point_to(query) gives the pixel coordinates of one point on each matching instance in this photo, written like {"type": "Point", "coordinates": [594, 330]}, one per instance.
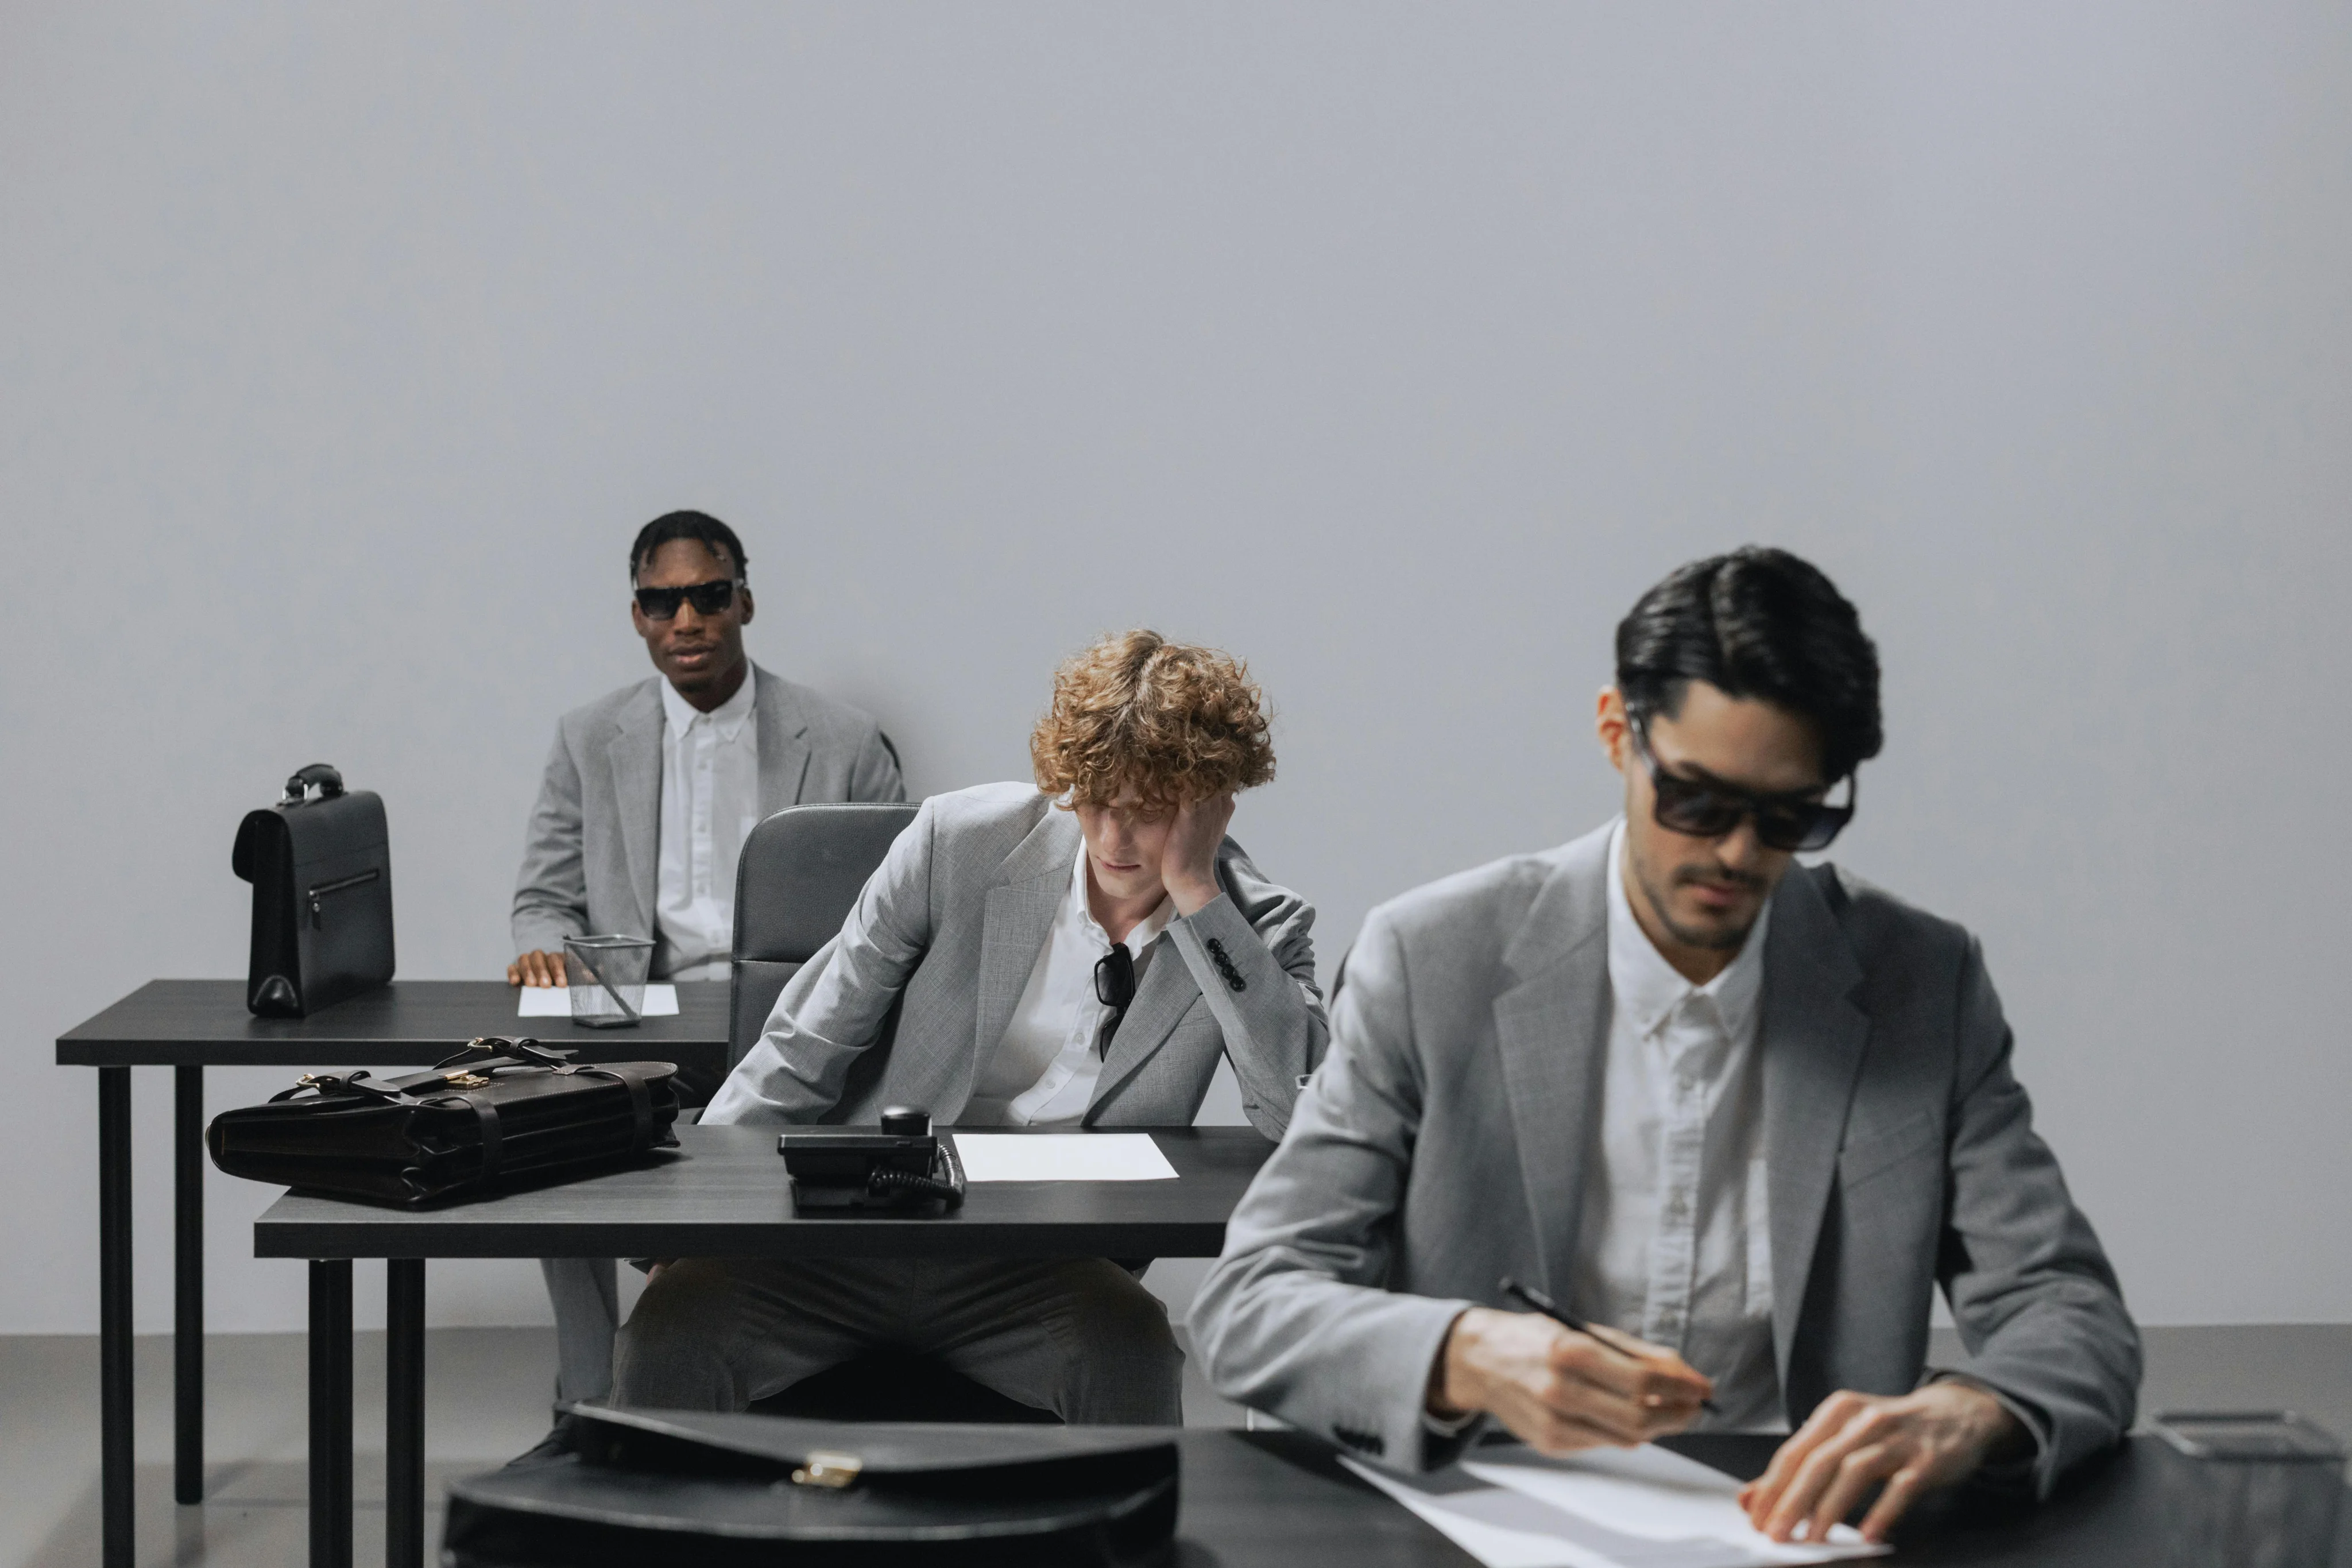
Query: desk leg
{"type": "Point", "coordinates": [330, 1412]}
{"type": "Point", "coordinates": [116, 1520]}
{"type": "Point", "coordinates": [188, 1285]}
{"type": "Point", "coordinates": [404, 1404]}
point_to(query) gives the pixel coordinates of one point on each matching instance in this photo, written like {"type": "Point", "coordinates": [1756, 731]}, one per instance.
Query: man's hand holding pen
{"type": "Point", "coordinates": [1559, 1389]}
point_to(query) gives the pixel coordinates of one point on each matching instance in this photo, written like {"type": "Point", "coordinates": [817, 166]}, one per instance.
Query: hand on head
{"type": "Point", "coordinates": [1187, 866]}
{"type": "Point", "coordinates": [1897, 1446]}
{"type": "Point", "coordinates": [1561, 1390]}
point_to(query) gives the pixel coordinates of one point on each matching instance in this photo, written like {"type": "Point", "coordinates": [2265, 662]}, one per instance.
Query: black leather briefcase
{"type": "Point", "coordinates": [673, 1489]}
{"type": "Point", "coordinates": [322, 873]}
{"type": "Point", "coordinates": [500, 1113]}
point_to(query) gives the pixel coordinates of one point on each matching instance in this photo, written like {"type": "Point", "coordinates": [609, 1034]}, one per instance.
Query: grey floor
{"type": "Point", "coordinates": [487, 1400]}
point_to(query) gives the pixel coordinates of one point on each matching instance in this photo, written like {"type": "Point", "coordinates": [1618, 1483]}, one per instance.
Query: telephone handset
{"type": "Point", "coordinates": [900, 1167]}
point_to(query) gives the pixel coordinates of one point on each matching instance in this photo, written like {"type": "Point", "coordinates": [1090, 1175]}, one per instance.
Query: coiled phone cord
{"type": "Point", "coordinates": [884, 1182]}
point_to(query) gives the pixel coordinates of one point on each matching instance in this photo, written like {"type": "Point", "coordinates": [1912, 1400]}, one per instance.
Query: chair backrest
{"type": "Point", "coordinates": [799, 876]}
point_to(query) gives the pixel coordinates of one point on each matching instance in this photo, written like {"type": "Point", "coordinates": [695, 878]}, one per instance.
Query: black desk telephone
{"type": "Point", "coordinates": [900, 1167]}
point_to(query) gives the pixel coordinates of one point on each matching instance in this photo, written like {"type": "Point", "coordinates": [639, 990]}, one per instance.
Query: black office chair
{"type": "Point", "coordinates": [799, 876]}
{"type": "Point", "coordinates": [795, 882]}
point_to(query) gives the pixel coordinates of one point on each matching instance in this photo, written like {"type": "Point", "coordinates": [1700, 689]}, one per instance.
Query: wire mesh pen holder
{"type": "Point", "coordinates": [606, 978]}
{"type": "Point", "coordinates": [2251, 1489]}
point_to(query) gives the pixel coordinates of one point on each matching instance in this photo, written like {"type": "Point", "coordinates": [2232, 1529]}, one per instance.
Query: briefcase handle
{"type": "Point", "coordinates": [324, 775]}
{"type": "Point", "coordinates": [490, 1045]}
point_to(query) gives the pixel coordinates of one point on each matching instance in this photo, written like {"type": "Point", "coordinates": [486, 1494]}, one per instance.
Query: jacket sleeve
{"type": "Point", "coordinates": [1252, 951]}
{"type": "Point", "coordinates": [1295, 1319]}
{"type": "Point", "coordinates": [838, 1004]}
{"type": "Point", "coordinates": [551, 897]}
{"type": "Point", "coordinates": [2040, 1313]}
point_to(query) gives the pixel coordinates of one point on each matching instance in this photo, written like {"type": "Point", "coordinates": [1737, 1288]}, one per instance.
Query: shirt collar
{"type": "Point", "coordinates": [1649, 987]}
{"type": "Point", "coordinates": [1146, 930]}
{"type": "Point", "coordinates": [727, 718]}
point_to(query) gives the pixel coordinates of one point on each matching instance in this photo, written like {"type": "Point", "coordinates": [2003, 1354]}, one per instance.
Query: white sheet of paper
{"type": "Point", "coordinates": [1610, 1508]}
{"type": "Point", "coordinates": [1062, 1157]}
{"type": "Point", "coordinates": [555, 1002]}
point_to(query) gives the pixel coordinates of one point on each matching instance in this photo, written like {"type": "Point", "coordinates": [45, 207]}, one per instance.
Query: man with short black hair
{"type": "Point", "coordinates": [649, 793]}
{"type": "Point", "coordinates": [1740, 1115]}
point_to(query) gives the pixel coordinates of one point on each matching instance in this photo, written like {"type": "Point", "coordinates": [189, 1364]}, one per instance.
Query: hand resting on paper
{"type": "Point", "coordinates": [1853, 1443]}
{"type": "Point", "coordinates": [536, 968]}
{"type": "Point", "coordinates": [1560, 1390]}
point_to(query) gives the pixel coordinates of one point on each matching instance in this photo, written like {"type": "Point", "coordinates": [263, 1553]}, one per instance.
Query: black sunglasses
{"type": "Point", "coordinates": [1791, 822]}
{"type": "Point", "coordinates": [1115, 988]}
{"type": "Point", "coordinates": [707, 599]}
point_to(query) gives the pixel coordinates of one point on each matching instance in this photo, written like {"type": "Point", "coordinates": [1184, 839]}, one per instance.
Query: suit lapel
{"type": "Point", "coordinates": [1813, 1041]}
{"type": "Point", "coordinates": [1030, 886]}
{"type": "Point", "coordinates": [1161, 998]}
{"type": "Point", "coordinates": [1551, 1030]}
{"type": "Point", "coordinates": [636, 790]}
{"type": "Point", "coordinates": [783, 743]}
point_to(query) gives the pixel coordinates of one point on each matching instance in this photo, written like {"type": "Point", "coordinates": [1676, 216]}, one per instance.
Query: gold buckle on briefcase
{"type": "Point", "coordinates": [833, 1472]}
{"type": "Point", "coordinates": [461, 1079]}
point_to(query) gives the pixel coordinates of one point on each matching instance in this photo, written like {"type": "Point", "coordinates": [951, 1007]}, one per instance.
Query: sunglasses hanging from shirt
{"type": "Point", "coordinates": [707, 599]}
{"type": "Point", "coordinates": [1115, 988]}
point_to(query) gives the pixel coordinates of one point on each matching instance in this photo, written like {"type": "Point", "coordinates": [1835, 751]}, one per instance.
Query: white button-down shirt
{"type": "Point", "coordinates": [709, 802]}
{"type": "Point", "coordinates": [1044, 1070]}
{"type": "Point", "coordinates": [1675, 1241]}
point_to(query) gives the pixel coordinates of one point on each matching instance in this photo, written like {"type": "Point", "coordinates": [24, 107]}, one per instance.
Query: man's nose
{"type": "Point", "coordinates": [1740, 848]}
{"type": "Point", "coordinates": [688, 617]}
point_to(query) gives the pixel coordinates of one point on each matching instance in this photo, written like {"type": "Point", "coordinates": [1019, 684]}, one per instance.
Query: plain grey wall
{"type": "Point", "coordinates": [1396, 349]}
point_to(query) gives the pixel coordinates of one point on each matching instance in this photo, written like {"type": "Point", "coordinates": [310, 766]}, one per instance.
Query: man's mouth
{"type": "Point", "coordinates": [1718, 894]}
{"type": "Point", "coordinates": [692, 653]}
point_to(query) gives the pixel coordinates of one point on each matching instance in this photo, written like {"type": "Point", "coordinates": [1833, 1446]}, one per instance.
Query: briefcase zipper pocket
{"type": "Point", "coordinates": [319, 893]}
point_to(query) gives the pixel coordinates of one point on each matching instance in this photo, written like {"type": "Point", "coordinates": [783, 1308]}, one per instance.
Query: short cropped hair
{"type": "Point", "coordinates": [1761, 624]}
{"type": "Point", "coordinates": [713, 535]}
{"type": "Point", "coordinates": [1171, 722]}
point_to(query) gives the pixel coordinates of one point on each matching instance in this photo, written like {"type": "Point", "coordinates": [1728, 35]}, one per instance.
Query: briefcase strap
{"type": "Point", "coordinates": [641, 1100]}
{"type": "Point", "coordinates": [487, 1115]}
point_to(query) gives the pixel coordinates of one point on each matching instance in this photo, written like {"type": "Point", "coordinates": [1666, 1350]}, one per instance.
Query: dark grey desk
{"type": "Point", "coordinates": [189, 1025]}
{"type": "Point", "coordinates": [722, 1193]}
{"type": "Point", "coordinates": [1279, 1499]}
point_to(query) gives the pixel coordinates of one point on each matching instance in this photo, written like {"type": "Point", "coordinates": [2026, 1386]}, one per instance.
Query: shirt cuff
{"type": "Point", "coordinates": [1447, 1428]}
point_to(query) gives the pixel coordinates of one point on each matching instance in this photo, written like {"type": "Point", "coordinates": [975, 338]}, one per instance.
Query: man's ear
{"type": "Point", "coordinates": [745, 619]}
{"type": "Point", "coordinates": [1611, 727]}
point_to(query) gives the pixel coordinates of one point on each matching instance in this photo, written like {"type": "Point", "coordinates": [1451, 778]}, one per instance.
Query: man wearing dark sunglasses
{"type": "Point", "coordinates": [1738, 1117]}
{"type": "Point", "coordinates": [648, 794]}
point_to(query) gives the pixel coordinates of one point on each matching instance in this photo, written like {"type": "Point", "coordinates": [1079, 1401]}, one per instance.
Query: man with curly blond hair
{"type": "Point", "coordinates": [1076, 952]}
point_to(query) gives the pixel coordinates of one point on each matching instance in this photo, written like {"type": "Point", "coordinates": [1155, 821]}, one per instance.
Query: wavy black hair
{"type": "Point", "coordinates": [1757, 623]}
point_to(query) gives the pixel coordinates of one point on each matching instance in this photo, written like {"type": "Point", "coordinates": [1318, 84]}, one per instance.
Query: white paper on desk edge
{"type": "Point", "coordinates": [556, 1001]}
{"type": "Point", "coordinates": [1062, 1157]}
{"type": "Point", "coordinates": [1519, 1510]}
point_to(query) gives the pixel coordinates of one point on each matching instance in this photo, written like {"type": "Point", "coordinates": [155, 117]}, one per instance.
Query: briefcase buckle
{"type": "Point", "coordinates": [833, 1472]}
{"type": "Point", "coordinates": [464, 1081]}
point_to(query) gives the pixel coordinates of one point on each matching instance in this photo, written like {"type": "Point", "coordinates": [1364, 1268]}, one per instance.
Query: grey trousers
{"type": "Point", "coordinates": [1080, 1337]}
{"type": "Point", "coordinates": [587, 1294]}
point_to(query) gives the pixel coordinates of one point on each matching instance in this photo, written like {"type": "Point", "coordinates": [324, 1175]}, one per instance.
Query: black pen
{"type": "Point", "coordinates": [1568, 1320]}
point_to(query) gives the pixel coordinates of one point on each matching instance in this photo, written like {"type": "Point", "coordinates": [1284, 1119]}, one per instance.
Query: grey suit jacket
{"type": "Point", "coordinates": [592, 859]}
{"type": "Point", "coordinates": [1445, 1144]}
{"type": "Point", "coordinates": [910, 1000]}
